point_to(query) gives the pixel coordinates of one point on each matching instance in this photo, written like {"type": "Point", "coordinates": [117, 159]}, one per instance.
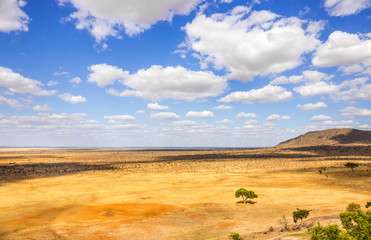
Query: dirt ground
{"type": "Point", "coordinates": [173, 193]}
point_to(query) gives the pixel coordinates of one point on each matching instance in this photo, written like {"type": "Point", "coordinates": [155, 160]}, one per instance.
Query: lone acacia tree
{"type": "Point", "coordinates": [351, 165]}
{"type": "Point", "coordinates": [245, 194]}
{"type": "Point", "coordinates": [300, 214]}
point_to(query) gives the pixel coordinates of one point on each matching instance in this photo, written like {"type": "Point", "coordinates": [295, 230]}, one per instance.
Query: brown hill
{"type": "Point", "coordinates": [329, 137]}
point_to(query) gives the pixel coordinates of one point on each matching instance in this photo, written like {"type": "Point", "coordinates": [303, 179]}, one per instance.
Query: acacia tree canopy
{"type": "Point", "coordinates": [300, 214]}
{"type": "Point", "coordinates": [351, 165]}
{"type": "Point", "coordinates": [245, 194]}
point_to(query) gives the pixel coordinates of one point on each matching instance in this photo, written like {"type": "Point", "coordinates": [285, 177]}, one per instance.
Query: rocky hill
{"type": "Point", "coordinates": [330, 137]}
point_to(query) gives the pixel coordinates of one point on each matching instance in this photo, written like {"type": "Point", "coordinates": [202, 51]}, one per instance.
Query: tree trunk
{"type": "Point", "coordinates": [302, 222]}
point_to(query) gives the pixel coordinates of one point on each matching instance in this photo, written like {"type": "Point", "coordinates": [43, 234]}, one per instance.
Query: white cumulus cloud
{"type": "Point", "coordinates": [184, 123]}
{"type": "Point", "coordinates": [75, 125]}
{"type": "Point", "coordinates": [164, 116]}
{"type": "Point", "coordinates": [140, 112]}
{"type": "Point", "coordinates": [312, 106]}
{"type": "Point", "coordinates": [52, 83]}
{"type": "Point", "coordinates": [246, 115]}
{"type": "Point", "coordinates": [351, 69]}
{"type": "Point", "coordinates": [156, 106]}
{"type": "Point", "coordinates": [203, 114]}
{"type": "Point", "coordinates": [103, 74]}
{"type": "Point", "coordinates": [109, 17]}
{"type": "Point", "coordinates": [120, 119]}
{"type": "Point", "coordinates": [318, 88]}
{"type": "Point", "coordinates": [269, 93]}
{"type": "Point", "coordinates": [12, 18]}
{"type": "Point", "coordinates": [225, 121]}
{"type": "Point", "coordinates": [307, 76]}
{"type": "Point", "coordinates": [9, 102]}
{"type": "Point", "coordinates": [340, 124]}
{"type": "Point", "coordinates": [251, 122]}
{"type": "Point", "coordinates": [275, 117]}
{"type": "Point", "coordinates": [279, 80]}
{"type": "Point", "coordinates": [353, 112]}
{"type": "Point", "coordinates": [354, 89]}
{"type": "Point", "coordinates": [346, 49]}
{"type": "Point", "coordinates": [17, 83]}
{"type": "Point", "coordinates": [364, 126]}
{"type": "Point", "coordinates": [42, 108]}
{"type": "Point", "coordinates": [320, 118]}
{"type": "Point", "coordinates": [249, 43]}
{"type": "Point", "coordinates": [75, 80]}
{"type": "Point", "coordinates": [67, 97]}
{"type": "Point", "coordinates": [223, 107]}
{"type": "Point", "coordinates": [346, 7]}
{"type": "Point", "coordinates": [157, 83]}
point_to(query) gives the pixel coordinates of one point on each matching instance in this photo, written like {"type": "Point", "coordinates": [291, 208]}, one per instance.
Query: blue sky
{"type": "Point", "coordinates": [181, 73]}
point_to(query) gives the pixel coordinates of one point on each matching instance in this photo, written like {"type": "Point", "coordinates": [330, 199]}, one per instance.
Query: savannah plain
{"type": "Point", "coordinates": [175, 193]}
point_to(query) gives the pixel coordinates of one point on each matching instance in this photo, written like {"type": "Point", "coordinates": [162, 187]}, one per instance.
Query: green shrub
{"type": "Point", "coordinates": [235, 236]}
{"type": "Point", "coordinates": [353, 207]}
{"type": "Point", "coordinates": [331, 232]}
{"type": "Point", "coordinates": [284, 223]}
{"type": "Point", "coordinates": [356, 223]}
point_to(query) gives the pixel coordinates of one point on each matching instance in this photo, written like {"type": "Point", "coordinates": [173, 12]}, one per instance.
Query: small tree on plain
{"type": "Point", "coordinates": [331, 232]}
{"type": "Point", "coordinates": [368, 204]}
{"type": "Point", "coordinates": [351, 165]}
{"type": "Point", "coordinates": [245, 194]}
{"type": "Point", "coordinates": [283, 222]}
{"type": "Point", "coordinates": [300, 214]}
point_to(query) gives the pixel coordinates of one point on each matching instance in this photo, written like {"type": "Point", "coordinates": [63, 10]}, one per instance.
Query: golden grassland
{"type": "Point", "coordinates": [173, 193]}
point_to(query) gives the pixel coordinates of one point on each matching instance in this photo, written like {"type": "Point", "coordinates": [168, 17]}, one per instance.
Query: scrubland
{"type": "Point", "coordinates": [174, 193]}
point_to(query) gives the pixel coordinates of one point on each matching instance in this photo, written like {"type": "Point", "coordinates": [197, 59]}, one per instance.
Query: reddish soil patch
{"type": "Point", "coordinates": [226, 224]}
{"type": "Point", "coordinates": [125, 211]}
{"type": "Point", "coordinates": [83, 222]}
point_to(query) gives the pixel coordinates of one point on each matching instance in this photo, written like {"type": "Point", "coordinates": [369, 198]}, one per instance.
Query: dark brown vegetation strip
{"type": "Point", "coordinates": [221, 156]}
{"type": "Point", "coordinates": [328, 150]}
{"type": "Point", "coordinates": [12, 157]}
{"type": "Point", "coordinates": [18, 172]}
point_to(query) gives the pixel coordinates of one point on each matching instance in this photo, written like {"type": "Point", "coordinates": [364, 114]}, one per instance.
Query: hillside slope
{"type": "Point", "coordinates": [329, 137]}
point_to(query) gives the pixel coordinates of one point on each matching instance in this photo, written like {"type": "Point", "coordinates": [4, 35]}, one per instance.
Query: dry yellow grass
{"type": "Point", "coordinates": [126, 194]}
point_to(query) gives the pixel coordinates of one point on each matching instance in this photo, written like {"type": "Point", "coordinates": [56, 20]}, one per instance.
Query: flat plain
{"type": "Point", "coordinates": [175, 193]}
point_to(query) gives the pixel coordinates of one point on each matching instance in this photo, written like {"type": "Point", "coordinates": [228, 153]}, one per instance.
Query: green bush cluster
{"type": "Point", "coordinates": [235, 236]}
{"type": "Point", "coordinates": [357, 225]}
